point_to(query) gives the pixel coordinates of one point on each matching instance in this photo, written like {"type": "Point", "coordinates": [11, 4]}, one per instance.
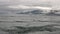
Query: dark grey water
{"type": "Point", "coordinates": [8, 21]}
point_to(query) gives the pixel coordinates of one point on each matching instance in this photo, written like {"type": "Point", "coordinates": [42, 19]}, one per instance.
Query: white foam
{"type": "Point", "coordinates": [28, 7]}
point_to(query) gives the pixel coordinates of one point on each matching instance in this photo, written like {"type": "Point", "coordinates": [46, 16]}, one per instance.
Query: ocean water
{"type": "Point", "coordinates": [8, 21]}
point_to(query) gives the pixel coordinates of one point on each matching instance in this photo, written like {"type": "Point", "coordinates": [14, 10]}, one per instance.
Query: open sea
{"type": "Point", "coordinates": [24, 20]}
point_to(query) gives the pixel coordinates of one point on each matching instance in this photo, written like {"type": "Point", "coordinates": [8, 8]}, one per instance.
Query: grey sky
{"type": "Point", "coordinates": [29, 2]}
{"type": "Point", "coordinates": [53, 3]}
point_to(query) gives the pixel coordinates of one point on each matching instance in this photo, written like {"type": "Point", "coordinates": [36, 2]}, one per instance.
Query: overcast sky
{"type": "Point", "coordinates": [28, 1]}
{"type": "Point", "coordinates": [54, 3]}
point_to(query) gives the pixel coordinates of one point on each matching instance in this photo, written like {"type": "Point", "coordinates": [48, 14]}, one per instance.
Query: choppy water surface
{"type": "Point", "coordinates": [8, 21]}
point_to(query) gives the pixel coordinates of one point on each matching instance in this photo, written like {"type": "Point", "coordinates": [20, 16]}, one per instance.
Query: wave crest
{"type": "Point", "coordinates": [28, 7]}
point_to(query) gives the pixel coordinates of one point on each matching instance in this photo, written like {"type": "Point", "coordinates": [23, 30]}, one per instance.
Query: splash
{"type": "Point", "coordinates": [28, 7]}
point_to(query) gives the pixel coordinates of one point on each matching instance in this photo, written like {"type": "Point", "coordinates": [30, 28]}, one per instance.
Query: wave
{"type": "Point", "coordinates": [28, 7]}
{"type": "Point", "coordinates": [37, 11]}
